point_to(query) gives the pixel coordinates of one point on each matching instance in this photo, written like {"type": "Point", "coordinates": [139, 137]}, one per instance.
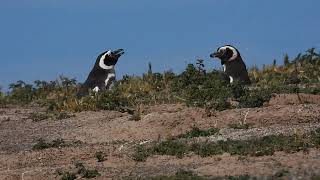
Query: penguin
{"type": "Point", "coordinates": [233, 65]}
{"type": "Point", "coordinates": [102, 75]}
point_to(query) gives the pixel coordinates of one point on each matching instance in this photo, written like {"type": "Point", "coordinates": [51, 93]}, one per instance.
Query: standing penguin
{"type": "Point", "coordinates": [102, 76]}
{"type": "Point", "coordinates": [233, 65]}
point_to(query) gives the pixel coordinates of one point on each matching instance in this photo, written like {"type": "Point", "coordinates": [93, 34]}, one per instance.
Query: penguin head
{"type": "Point", "coordinates": [108, 59]}
{"type": "Point", "coordinates": [226, 53]}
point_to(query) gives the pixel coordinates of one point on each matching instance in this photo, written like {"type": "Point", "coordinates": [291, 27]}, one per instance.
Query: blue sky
{"type": "Point", "coordinates": [42, 39]}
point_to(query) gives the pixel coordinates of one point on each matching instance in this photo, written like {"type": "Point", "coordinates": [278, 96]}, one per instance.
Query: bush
{"type": "Point", "coordinates": [202, 89]}
{"type": "Point", "coordinates": [87, 173]}
{"type": "Point", "coordinates": [196, 132]}
{"type": "Point", "coordinates": [254, 98]}
{"type": "Point", "coordinates": [264, 146]}
{"type": "Point", "coordinates": [194, 86]}
{"type": "Point", "coordinates": [100, 156]}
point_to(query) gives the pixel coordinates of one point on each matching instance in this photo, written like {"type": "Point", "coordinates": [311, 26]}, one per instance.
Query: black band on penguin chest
{"type": "Point", "coordinates": [99, 74]}
{"type": "Point", "coordinates": [234, 68]}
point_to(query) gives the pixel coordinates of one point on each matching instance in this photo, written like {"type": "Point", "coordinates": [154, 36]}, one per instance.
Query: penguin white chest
{"type": "Point", "coordinates": [96, 89]}
{"type": "Point", "coordinates": [231, 79]}
{"type": "Point", "coordinates": [110, 75]}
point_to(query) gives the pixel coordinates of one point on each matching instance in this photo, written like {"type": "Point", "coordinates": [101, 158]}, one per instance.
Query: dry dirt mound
{"type": "Point", "coordinates": [284, 99]}
{"type": "Point", "coordinates": [115, 134]}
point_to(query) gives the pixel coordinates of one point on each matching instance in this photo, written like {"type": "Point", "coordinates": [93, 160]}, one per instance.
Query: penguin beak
{"type": "Point", "coordinates": [216, 55]}
{"type": "Point", "coordinates": [117, 53]}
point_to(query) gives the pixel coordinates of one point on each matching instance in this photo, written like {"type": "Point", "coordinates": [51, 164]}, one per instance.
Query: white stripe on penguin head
{"type": "Point", "coordinates": [101, 61]}
{"type": "Point", "coordinates": [234, 52]}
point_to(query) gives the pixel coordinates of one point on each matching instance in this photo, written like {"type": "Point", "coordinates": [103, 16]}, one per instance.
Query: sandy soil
{"type": "Point", "coordinates": [116, 135]}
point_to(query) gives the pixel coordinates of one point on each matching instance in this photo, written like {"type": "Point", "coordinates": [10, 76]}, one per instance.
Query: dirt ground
{"type": "Point", "coordinates": [114, 134]}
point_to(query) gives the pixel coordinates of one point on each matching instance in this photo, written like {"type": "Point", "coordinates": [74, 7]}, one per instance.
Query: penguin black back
{"type": "Point", "coordinates": [102, 75]}
{"type": "Point", "coordinates": [234, 66]}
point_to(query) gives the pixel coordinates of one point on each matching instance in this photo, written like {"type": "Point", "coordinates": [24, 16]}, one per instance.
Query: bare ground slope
{"type": "Point", "coordinates": [116, 135]}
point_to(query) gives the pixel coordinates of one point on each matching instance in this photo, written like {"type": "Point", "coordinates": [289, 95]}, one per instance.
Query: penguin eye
{"type": "Point", "coordinates": [109, 53]}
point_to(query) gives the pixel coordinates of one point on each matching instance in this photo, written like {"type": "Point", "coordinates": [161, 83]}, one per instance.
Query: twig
{"type": "Point", "coordinates": [245, 116]}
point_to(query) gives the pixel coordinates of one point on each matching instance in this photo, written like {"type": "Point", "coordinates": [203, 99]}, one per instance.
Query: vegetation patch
{"type": "Point", "coordinates": [62, 115]}
{"type": "Point", "coordinates": [179, 175]}
{"type": "Point", "coordinates": [100, 156]}
{"type": "Point", "coordinates": [86, 173]}
{"type": "Point", "coordinates": [196, 132]}
{"type": "Point", "coordinates": [136, 116]}
{"type": "Point", "coordinates": [39, 116]}
{"type": "Point", "coordinates": [81, 171]}
{"type": "Point", "coordinates": [189, 175]}
{"type": "Point", "coordinates": [67, 175]}
{"type": "Point", "coordinates": [170, 147]}
{"type": "Point", "coordinates": [58, 143]}
{"type": "Point", "coordinates": [195, 86]}
{"type": "Point", "coordinates": [264, 146]}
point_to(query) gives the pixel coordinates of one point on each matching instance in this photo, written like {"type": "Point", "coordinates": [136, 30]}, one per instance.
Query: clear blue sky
{"type": "Point", "coordinates": [41, 39]}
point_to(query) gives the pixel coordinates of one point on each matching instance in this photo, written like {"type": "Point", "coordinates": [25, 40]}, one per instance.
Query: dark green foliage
{"type": "Point", "coordinates": [196, 132]}
{"type": "Point", "coordinates": [86, 173]}
{"type": "Point", "coordinates": [315, 177]}
{"type": "Point", "coordinates": [62, 115]}
{"type": "Point", "coordinates": [21, 93]}
{"type": "Point", "coordinates": [179, 175]}
{"type": "Point", "coordinates": [38, 116]}
{"type": "Point", "coordinates": [257, 147]}
{"type": "Point", "coordinates": [195, 86]}
{"type": "Point", "coordinates": [202, 89]}
{"type": "Point", "coordinates": [286, 60]}
{"type": "Point", "coordinates": [81, 170]}
{"type": "Point", "coordinates": [264, 146]}
{"type": "Point", "coordinates": [242, 177]}
{"type": "Point", "coordinates": [281, 173]}
{"type": "Point", "coordinates": [136, 116]}
{"type": "Point", "coordinates": [170, 147]}
{"type": "Point", "coordinates": [254, 98]}
{"type": "Point", "coordinates": [67, 175]}
{"type": "Point", "coordinates": [2, 99]}
{"type": "Point", "coordinates": [189, 175]}
{"type": "Point", "coordinates": [141, 153]}
{"type": "Point", "coordinates": [57, 143]}
{"type": "Point", "coordinates": [100, 156]}
{"type": "Point", "coordinates": [316, 137]}
{"type": "Point", "coordinates": [42, 144]}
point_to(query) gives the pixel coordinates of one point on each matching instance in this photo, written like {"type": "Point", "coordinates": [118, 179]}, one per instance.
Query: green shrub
{"type": "Point", "coordinates": [264, 146]}
{"type": "Point", "coordinates": [195, 86]}
{"type": "Point", "coordinates": [57, 143]}
{"type": "Point", "coordinates": [21, 93]}
{"type": "Point", "coordinates": [100, 156]}
{"type": "Point", "coordinates": [254, 98]}
{"type": "Point", "coordinates": [67, 175]}
{"type": "Point", "coordinates": [196, 132]}
{"type": "Point", "coordinates": [202, 89]}
{"type": "Point", "coordinates": [86, 173]}
{"type": "Point", "coordinates": [42, 144]}
{"type": "Point", "coordinates": [38, 116]}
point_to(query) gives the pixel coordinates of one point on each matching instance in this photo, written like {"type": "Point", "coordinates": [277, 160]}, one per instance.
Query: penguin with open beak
{"type": "Point", "coordinates": [102, 75]}
{"type": "Point", "coordinates": [233, 65]}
